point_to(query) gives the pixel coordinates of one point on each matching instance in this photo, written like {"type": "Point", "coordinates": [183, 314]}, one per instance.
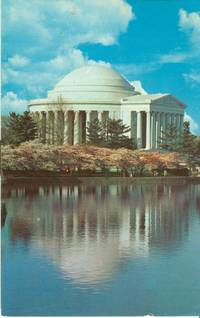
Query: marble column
{"type": "Point", "coordinates": [158, 124]}
{"type": "Point", "coordinates": [37, 122]}
{"type": "Point", "coordinates": [87, 117]}
{"type": "Point", "coordinates": [47, 138]}
{"type": "Point", "coordinates": [44, 126]}
{"type": "Point", "coordinates": [139, 129]}
{"type": "Point", "coordinates": [148, 130]}
{"type": "Point", "coordinates": [76, 127]}
{"type": "Point", "coordinates": [56, 127]}
{"type": "Point", "coordinates": [177, 122]}
{"type": "Point", "coordinates": [134, 125]}
{"type": "Point", "coordinates": [163, 125]}
{"type": "Point", "coordinates": [170, 119]}
{"type": "Point", "coordinates": [41, 127]}
{"type": "Point", "coordinates": [52, 128]}
{"type": "Point", "coordinates": [99, 116]}
{"type": "Point", "coordinates": [162, 115]}
{"type": "Point", "coordinates": [81, 132]}
{"type": "Point", "coordinates": [153, 130]}
{"type": "Point", "coordinates": [65, 139]}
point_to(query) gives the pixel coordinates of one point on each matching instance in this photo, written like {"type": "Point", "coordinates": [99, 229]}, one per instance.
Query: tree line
{"type": "Point", "coordinates": [34, 158]}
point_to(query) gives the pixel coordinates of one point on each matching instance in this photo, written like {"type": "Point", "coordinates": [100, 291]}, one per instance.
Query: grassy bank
{"type": "Point", "coordinates": [52, 179]}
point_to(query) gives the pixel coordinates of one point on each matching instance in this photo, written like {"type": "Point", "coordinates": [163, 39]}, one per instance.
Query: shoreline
{"type": "Point", "coordinates": [98, 179]}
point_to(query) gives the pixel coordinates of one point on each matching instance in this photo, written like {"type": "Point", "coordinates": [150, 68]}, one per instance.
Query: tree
{"type": "Point", "coordinates": [31, 156]}
{"type": "Point", "coordinates": [111, 133]}
{"type": "Point", "coordinates": [115, 135]}
{"type": "Point", "coordinates": [171, 139]}
{"type": "Point", "coordinates": [197, 143]}
{"type": "Point", "coordinates": [189, 145]}
{"type": "Point", "coordinates": [5, 133]}
{"type": "Point", "coordinates": [29, 127]}
{"type": "Point", "coordinates": [20, 128]}
{"type": "Point", "coordinates": [95, 134]}
{"type": "Point", "coordinates": [188, 140]}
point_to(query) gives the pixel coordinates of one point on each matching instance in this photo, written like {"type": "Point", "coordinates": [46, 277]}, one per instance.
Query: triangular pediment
{"type": "Point", "coordinates": [167, 100]}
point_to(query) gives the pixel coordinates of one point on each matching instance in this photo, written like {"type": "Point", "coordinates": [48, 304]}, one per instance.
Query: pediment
{"type": "Point", "coordinates": [168, 100]}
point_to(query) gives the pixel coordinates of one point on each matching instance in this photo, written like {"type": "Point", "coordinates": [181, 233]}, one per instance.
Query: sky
{"type": "Point", "coordinates": [156, 42]}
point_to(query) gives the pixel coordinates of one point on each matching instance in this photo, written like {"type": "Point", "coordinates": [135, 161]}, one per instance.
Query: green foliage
{"type": "Point", "coordinates": [115, 135]}
{"type": "Point", "coordinates": [197, 142]}
{"type": "Point", "coordinates": [110, 133]}
{"type": "Point", "coordinates": [5, 133]}
{"type": "Point", "coordinates": [95, 133]}
{"type": "Point", "coordinates": [171, 139]}
{"type": "Point", "coordinates": [19, 128]}
{"type": "Point", "coordinates": [188, 145]}
{"type": "Point", "coordinates": [185, 143]}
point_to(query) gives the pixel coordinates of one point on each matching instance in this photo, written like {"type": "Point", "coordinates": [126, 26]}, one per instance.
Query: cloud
{"type": "Point", "coordinates": [138, 87]}
{"type": "Point", "coordinates": [193, 124]}
{"type": "Point", "coordinates": [52, 33]}
{"type": "Point", "coordinates": [137, 69]}
{"type": "Point", "coordinates": [12, 103]}
{"type": "Point", "coordinates": [18, 61]}
{"type": "Point", "coordinates": [62, 24]}
{"type": "Point", "coordinates": [193, 77]}
{"type": "Point", "coordinates": [190, 24]}
{"type": "Point", "coordinates": [172, 58]}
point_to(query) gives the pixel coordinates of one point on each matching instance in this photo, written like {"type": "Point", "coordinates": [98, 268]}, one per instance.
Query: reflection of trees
{"type": "Point", "coordinates": [3, 213]}
{"type": "Point", "coordinates": [90, 229]}
{"type": "Point", "coordinates": [20, 229]}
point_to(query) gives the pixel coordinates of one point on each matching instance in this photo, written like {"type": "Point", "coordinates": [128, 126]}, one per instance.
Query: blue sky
{"type": "Point", "coordinates": [154, 41]}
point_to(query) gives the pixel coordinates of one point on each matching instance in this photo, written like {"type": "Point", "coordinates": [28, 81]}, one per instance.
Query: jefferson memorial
{"type": "Point", "coordinates": [97, 91]}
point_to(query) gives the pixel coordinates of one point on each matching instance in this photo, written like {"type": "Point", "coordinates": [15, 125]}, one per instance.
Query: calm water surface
{"type": "Point", "coordinates": [101, 249]}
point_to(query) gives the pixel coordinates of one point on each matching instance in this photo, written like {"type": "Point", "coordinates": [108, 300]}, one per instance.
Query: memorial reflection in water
{"type": "Point", "coordinates": [89, 231]}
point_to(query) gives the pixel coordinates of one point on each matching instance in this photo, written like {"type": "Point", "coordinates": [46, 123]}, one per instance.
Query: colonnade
{"type": "Point", "coordinates": [65, 127]}
{"type": "Point", "coordinates": [148, 127]}
{"type": "Point", "coordinates": [69, 127]}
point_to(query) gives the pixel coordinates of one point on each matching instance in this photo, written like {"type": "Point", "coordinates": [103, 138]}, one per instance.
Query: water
{"type": "Point", "coordinates": [101, 249]}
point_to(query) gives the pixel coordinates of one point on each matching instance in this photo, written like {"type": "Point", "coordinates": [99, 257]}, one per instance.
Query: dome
{"type": "Point", "coordinates": [93, 84]}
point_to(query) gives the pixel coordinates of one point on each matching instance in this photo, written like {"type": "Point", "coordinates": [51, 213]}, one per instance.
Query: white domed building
{"type": "Point", "coordinates": [97, 91]}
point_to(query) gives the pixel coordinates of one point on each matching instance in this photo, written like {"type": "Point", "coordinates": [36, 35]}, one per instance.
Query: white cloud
{"type": "Point", "coordinates": [190, 24]}
{"type": "Point", "coordinates": [138, 87]}
{"type": "Point", "coordinates": [51, 33]}
{"type": "Point", "coordinates": [193, 124]}
{"type": "Point", "coordinates": [12, 103]}
{"type": "Point", "coordinates": [62, 24]}
{"type": "Point", "coordinates": [92, 62]}
{"type": "Point", "coordinates": [137, 69]}
{"type": "Point", "coordinates": [172, 58]}
{"type": "Point", "coordinates": [193, 77]}
{"type": "Point", "coordinates": [18, 61]}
